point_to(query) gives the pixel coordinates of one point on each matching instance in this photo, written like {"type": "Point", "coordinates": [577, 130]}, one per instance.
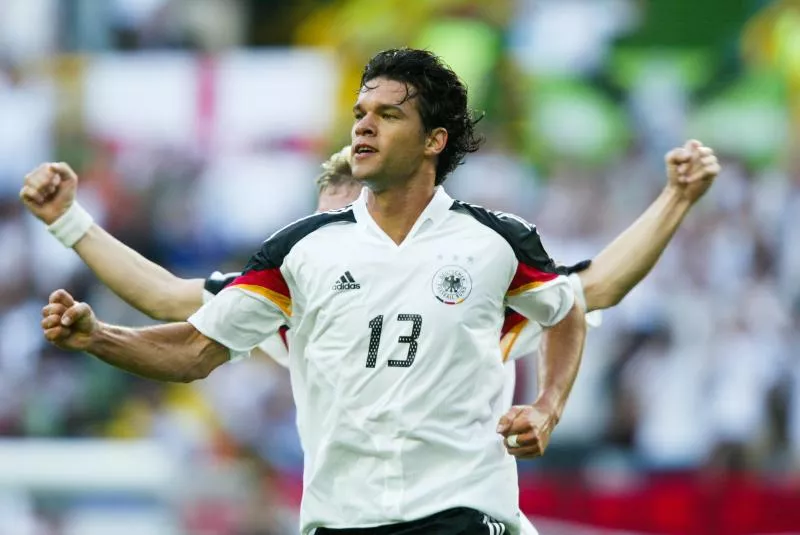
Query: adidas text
{"type": "Point", "coordinates": [339, 286]}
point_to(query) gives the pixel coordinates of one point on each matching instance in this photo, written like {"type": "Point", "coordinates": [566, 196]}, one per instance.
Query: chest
{"type": "Point", "coordinates": [444, 276]}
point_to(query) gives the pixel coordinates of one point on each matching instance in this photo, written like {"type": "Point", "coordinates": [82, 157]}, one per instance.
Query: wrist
{"type": "Point", "coordinates": [550, 403]}
{"type": "Point", "coordinates": [94, 338]}
{"type": "Point", "coordinates": [72, 225]}
{"type": "Point", "coordinates": [676, 197]}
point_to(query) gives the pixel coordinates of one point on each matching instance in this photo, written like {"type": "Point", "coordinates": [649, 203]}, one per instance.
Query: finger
{"type": "Point", "coordinates": [57, 333]}
{"type": "Point", "coordinates": [519, 426]}
{"type": "Point", "coordinates": [52, 186]}
{"type": "Point", "coordinates": [30, 194]}
{"type": "Point", "coordinates": [678, 156]}
{"type": "Point", "coordinates": [705, 173]}
{"type": "Point", "coordinates": [75, 313]}
{"type": "Point", "coordinates": [524, 440]}
{"type": "Point", "coordinates": [40, 178]}
{"type": "Point", "coordinates": [51, 321]}
{"type": "Point", "coordinates": [526, 453]}
{"type": "Point", "coordinates": [53, 308]}
{"type": "Point", "coordinates": [62, 297]}
{"type": "Point", "coordinates": [506, 419]}
{"type": "Point", "coordinates": [708, 160]}
{"type": "Point", "coordinates": [692, 145]}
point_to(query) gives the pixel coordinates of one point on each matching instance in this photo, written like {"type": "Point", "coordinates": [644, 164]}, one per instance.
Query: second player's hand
{"type": "Point", "coordinates": [691, 170]}
{"type": "Point", "coordinates": [526, 430]}
{"type": "Point", "coordinates": [68, 323]}
{"type": "Point", "coordinates": [49, 191]}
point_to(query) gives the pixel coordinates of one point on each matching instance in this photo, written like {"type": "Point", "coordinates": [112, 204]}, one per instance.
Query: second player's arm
{"type": "Point", "coordinates": [630, 257]}
{"type": "Point", "coordinates": [140, 282]}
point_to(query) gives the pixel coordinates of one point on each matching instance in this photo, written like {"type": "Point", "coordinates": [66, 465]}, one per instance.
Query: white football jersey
{"type": "Point", "coordinates": [396, 370]}
{"type": "Point", "coordinates": [275, 344]}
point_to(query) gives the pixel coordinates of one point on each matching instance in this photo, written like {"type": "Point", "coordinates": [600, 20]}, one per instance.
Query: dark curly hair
{"type": "Point", "coordinates": [441, 99]}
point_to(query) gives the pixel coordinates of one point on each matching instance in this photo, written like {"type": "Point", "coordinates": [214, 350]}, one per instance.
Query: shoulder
{"type": "Point", "coordinates": [277, 247]}
{"type": "Point", "coordinates": [521, 235]}
{"type": "Point", "coordinates": [217, 281]}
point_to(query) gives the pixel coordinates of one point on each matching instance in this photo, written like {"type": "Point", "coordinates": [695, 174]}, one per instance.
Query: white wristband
{"type": "Point", "coordinates": [72, 226]}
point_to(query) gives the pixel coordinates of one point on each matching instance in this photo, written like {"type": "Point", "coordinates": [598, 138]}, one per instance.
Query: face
{"type": "Point", "coordinates": [388, 138]}
{"type": "Point", "coordinates": [335, 197]}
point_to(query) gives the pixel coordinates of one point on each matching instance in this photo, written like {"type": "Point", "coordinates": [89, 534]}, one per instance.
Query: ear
{"type": "Point", "coordinates": [435, 142]}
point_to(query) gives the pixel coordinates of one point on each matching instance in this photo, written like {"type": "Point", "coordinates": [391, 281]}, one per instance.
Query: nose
{"type": "Point", "coordinates": [364, 126]}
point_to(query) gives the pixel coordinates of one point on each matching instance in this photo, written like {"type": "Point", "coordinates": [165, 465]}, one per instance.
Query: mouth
{"type": "Point", "coordinates": [362, 151]}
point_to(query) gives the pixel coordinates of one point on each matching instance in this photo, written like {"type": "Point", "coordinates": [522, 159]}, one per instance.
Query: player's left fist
{"type": "Point", "coordinates": [691, 170]}
{"type": "Point", "coordinates": [526, 430]}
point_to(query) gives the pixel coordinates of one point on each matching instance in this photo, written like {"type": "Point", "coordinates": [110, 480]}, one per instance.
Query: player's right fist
{"type": "Point", "coordinates": [49, 191]}
{"type": "Point", "coordinates": [68, 324]}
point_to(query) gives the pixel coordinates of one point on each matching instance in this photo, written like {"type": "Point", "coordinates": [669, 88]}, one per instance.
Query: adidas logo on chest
{"type": "Point", "coordinates": [345, 282]}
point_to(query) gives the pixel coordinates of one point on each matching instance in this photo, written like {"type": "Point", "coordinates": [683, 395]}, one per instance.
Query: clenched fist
{"type": "Point", "coordinates": [691, 170]}
{"type": "Point", "coordinates": [49, 191]}
{"type": "Point", "coordinates": [68, 324]}
{"type": "Point", "coordinates": [526, 430]}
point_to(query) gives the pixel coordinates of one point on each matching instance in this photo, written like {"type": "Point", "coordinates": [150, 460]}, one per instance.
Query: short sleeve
{"type": "Point", "coordinates": [239, 319]}
{"type": "Point", "coordinates": [253, 307]}
{"type": "Point", "coordinates": [539, 290]}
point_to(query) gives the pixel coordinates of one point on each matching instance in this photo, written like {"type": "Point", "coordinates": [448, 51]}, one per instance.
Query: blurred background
{"type": "Point", "coordinates": [686, 416]}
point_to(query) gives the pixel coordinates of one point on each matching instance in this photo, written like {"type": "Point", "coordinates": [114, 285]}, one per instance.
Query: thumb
{"type": "Point", "coordinates": [75, 313]}
{"type": "Point", "coordinates": [507, 419]}
{"type": "Point", "coordinates": [64, 171]}
{"type": "Point", "coordinates": [678, 156]}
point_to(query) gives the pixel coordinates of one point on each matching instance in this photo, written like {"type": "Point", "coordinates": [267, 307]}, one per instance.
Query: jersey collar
{"type": "Point", "coordinates": [438, 208]}
{"type": "Point", "coordinates": [436, 211]}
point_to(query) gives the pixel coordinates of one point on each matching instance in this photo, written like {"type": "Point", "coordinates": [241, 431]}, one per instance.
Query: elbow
{"type": "Point", "coordinates": [600, 295]}
{"type": "Point", "coordinates": [193, 374]}
{"type": "Point", "coordinates": [208, 358]}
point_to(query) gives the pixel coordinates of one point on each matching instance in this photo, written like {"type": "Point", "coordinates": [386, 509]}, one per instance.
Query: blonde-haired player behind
{"type": "Point", "coordinates": [49, 194]}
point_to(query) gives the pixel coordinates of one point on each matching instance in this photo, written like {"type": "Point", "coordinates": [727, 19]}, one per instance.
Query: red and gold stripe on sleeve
{"type": "Point", "coordinates": [527, 278]}
{"type": "Point", "coordinates": [512, 327]}
{"type": "Point", "coordinates": [268, 283]}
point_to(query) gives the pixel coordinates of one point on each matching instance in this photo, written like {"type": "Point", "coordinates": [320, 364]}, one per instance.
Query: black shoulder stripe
{"type": "Point", "coordinates": [217, 281]}
{"type": "Point", "coordinates": [577, 268]}
{"type": "Point", "coordinates": [520, 235]}
{"type": "Point", "coordinates": [274, 250]}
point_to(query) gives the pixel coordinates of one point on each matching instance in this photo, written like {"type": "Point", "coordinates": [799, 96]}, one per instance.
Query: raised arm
{"type": "Point", "coordinates": [630, 257]}
{"type": "Point", "coordinates": [49, 194]}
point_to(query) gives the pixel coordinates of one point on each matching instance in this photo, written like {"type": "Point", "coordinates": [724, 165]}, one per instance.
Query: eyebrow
{"type": "Point", "coordinates": [381, 108]}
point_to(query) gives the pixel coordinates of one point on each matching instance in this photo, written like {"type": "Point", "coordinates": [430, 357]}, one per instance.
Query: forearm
{"type": "Point", "coordinates": [630, 257]}
{"type": "Point", "coordinates": [141, 283]}
{"type": "Point", "coordinates": [176, 352]}
{"type": "Point", "coordinates": [559, 359]}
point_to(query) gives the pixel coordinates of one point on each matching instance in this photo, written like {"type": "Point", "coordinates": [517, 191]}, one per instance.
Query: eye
{"type": "Point", "coordinates": [389, 116]}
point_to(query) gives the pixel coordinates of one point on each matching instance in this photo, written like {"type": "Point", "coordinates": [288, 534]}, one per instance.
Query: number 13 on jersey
{"type": "Point", "coordinates": [376, 329]}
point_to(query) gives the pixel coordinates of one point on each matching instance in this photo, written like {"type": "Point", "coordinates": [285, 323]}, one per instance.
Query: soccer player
{"type": "Point", "coordinates": [49, 193]}
{"type": "Point", "coordinates": [400, 438]}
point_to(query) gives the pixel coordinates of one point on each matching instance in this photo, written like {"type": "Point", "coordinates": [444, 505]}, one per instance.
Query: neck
{"type": "Point", "coordinates": [396, 209]}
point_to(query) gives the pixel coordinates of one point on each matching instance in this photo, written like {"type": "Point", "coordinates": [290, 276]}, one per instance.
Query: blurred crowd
{"type": "Point", "coordinates": [698, 368]}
